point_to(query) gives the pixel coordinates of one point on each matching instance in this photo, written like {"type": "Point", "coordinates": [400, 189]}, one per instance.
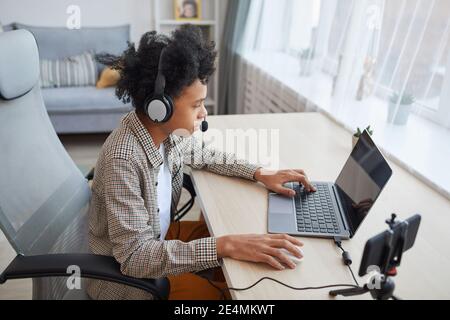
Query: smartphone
{"type": "Point", "coordinates": [381, 248]}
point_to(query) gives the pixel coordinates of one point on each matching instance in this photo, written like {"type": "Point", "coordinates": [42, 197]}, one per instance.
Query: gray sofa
{"type": "Point", "coordinates": [80, 109]}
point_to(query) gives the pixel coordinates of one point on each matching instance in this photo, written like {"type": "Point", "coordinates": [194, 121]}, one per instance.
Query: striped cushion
{"type": "Point", "coordinates": [76, 71]}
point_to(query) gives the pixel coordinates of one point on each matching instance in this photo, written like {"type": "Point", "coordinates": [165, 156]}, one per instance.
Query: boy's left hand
{"type": "Point", "coordinates": [274, 180]}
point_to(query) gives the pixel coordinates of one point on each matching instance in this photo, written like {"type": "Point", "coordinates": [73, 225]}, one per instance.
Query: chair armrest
{"type": "Point", "coordinates": [91, 266]}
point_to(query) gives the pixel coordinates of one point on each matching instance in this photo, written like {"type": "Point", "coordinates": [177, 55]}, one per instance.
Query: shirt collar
{"type": "Point", "coordinates": [146, 140]}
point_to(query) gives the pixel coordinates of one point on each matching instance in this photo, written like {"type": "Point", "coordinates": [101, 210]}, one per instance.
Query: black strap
{"type": "Point", "coordinates": [160, 82]}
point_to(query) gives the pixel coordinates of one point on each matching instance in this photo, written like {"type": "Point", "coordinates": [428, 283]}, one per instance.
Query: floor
{"type": "Point", "coordinates": [84, 150]}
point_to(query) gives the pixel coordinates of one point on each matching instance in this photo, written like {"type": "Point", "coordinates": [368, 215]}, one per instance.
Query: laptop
{"type": "Point", "coordinates": [337, 209]}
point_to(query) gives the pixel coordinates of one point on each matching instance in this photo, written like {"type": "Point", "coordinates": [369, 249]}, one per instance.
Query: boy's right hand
{"type": "Point", "coordinates": [259, 248]}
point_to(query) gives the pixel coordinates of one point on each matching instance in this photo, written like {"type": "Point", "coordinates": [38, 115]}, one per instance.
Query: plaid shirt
{"type": "Point", "coordinates": [124, 216]}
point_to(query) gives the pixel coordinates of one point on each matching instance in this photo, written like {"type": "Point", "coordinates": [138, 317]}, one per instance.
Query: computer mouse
{"type": "Point", "coordinates": [292, 257]}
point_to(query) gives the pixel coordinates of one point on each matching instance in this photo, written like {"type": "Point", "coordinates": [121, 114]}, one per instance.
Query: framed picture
{"type": "Point", "coordinates": [188, 9]}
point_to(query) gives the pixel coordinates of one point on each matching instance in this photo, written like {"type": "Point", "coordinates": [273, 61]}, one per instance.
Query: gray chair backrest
{"type": "Point", "coordinates": [44, 197]}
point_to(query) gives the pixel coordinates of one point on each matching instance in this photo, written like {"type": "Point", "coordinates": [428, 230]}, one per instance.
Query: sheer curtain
{"type": "Point", "coordinates": [369, 48]}
{"type": "Point", "coordinates": [383, 63]}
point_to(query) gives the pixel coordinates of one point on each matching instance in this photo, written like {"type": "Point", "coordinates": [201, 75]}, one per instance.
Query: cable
{"type": "Point", "coordinates": [347, 261]}
{"type": "Point", "coordinates": [222, 291]}
{"type": "Point", "coordinates": [279, 282]}
{"type": "Point", "coordinates": [346, 258]}
{"type": "Point", "coordinates": [353, 275]}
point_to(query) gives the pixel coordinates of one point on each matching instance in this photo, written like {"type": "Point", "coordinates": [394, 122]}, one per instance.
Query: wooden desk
{"type": "Point", "coordinates": [313, 142]}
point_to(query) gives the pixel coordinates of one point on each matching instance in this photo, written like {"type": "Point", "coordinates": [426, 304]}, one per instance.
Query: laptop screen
{"type": "Point", "coordinates": [361, 180]}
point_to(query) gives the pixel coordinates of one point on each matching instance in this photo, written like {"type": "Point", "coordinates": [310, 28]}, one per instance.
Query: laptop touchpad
{"type": "Point", "coordinates": [280, 205]}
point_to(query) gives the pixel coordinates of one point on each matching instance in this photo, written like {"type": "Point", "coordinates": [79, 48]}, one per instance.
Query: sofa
{"type": "Point", "coordinates": [75, 110]}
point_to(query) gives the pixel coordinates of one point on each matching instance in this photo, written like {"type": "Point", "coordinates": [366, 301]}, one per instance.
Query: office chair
{"type": "Point", "coordinates": [44, 198]}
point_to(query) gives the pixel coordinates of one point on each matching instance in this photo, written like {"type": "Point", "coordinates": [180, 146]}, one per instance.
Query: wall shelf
{"type": "Point", "coordinates": [165, 23]}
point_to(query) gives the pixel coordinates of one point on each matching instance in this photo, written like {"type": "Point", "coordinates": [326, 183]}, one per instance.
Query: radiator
{"type": "Point", "coordinates": [265, 94]}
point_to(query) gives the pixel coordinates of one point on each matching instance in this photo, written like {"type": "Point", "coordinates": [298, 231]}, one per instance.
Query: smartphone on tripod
{"type": "Point", "coordinates": [383, 254]}
{"type": "Point", "coordinates": [385, 249]}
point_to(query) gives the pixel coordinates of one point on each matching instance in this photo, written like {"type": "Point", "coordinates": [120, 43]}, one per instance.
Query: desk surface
{"type": "Point", "coordinates": [313, 142]}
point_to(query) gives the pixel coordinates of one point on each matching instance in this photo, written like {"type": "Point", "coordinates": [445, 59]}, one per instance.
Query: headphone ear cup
{"type": "Point", "coordinates": [159, 109]}
{"type": "Point", "coordinates": [156, 109]}
{"type": "Point", "coordinates": [169, 105]}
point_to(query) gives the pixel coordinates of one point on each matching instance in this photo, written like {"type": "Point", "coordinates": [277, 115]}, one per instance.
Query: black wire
{"type": "Point", "coordinates": [279, 282]}
{"type": "Point", "coordinates": [339, 245]}
{"type": "Point", "coordinates": [184, 210]}
{"type": "Point", "coordinates": [222, 291]}
{"type": "Point", "coordinates": [353, 275]}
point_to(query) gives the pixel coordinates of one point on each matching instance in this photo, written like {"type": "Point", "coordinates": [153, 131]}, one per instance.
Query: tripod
{"type": "Point", "coordinates": [392, 244]}
{"type": "Point", "coordinates": [385, 290]}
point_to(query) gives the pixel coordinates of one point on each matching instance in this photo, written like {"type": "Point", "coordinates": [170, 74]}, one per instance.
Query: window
{"type": "Point", "coordinates": [371, 49]}
{"type": "Point", "coordinates": [340, 15]}
{"type": "Point", "coordinates": [364, 52]}
{"type": "Point", "coordinates": [414, 51]}
{"type": "Point", "coordinates": [304, 19]}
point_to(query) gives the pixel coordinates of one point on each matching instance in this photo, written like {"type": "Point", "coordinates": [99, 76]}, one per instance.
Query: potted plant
{"type": "Point", "coordinates": [306, 57]}
{"type": "Point", "coordinates": [400, 107]}
{"type": "Point", "coordinates": [358, 134]}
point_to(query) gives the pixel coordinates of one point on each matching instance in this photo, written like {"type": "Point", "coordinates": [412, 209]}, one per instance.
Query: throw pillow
{"type": "Point", "coordinates": [75, 71]}
{"type": "Point", "coordinates": [108, 78]}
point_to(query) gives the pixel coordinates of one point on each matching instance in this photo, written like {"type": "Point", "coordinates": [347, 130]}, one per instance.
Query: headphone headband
{"type": "Point", "coordinates": [160, 82]}
{"type": "Point", "coordinates": [159, 107]}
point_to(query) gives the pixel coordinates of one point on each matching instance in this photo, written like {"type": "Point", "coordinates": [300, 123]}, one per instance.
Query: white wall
{"type": "Point", "coordinates": [137, 13]}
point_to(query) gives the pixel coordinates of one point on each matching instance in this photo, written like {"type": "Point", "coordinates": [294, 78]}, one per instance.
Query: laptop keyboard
{"type": "Point", "coordinates": [315, 211]}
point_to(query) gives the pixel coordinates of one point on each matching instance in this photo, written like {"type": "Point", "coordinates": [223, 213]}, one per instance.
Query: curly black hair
{"type": "Point", "coordinates": [188, 57]}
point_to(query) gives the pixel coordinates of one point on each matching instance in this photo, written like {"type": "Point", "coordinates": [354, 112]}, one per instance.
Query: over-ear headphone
{"type": "Point", "coordinates": [159, 107]}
